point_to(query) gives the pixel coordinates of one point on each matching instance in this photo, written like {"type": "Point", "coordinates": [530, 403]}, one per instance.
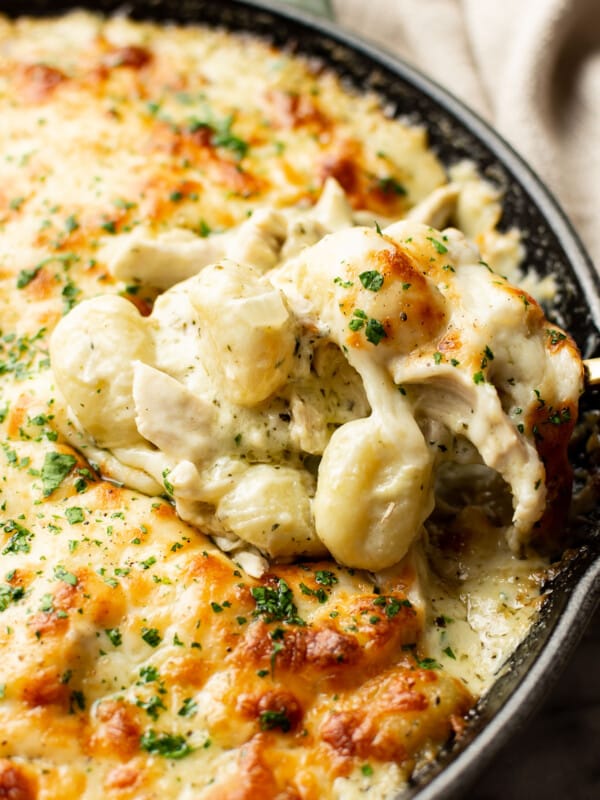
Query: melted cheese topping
{"type": "Point", "coordinates": [137, 659]}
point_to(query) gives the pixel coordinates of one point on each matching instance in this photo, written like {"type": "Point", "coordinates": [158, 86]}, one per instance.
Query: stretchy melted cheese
{"type": "Point", "coordinates": [192, 213]}
{"type": "Point", "coordinates": [215, 392]}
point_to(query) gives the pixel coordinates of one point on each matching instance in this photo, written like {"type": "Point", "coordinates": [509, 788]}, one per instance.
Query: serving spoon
{"type": "Point", "coordinates": [592, 371]}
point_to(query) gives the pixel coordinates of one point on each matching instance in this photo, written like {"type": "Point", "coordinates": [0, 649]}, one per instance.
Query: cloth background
{"type": "Point", "coordinates": [529, 67]}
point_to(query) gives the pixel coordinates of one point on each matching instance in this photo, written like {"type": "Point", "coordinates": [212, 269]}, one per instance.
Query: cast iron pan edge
{"type": "Point", "coordinates": [456, 132]}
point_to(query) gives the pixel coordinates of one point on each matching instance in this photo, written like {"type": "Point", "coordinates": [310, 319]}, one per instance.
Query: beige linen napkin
{"type": "Point", "coordinates": [530, 67]}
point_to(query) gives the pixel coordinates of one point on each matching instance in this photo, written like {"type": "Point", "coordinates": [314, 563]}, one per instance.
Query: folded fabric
{"type": "Point", "coordinates": [532, 69]}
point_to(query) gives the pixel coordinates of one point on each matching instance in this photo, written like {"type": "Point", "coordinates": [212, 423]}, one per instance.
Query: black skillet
{"type": "Point", "coordinates": [455, 133]}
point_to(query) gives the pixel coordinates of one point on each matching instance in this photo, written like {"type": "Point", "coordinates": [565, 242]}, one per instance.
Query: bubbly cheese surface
{"type": "Point", "coordinates": [159, 183]}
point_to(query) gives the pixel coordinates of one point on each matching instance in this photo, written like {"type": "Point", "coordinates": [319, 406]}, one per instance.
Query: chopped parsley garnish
{"type": "Point", "coordinates": [110, 226]}
{"type": "Point", "coordinates": [358, 320]}
{"type": "Point", "coordinates": [61, 574]}
{"type": "Point", "coordinates": [325, 577]}
{"type": "Point", "coordinates": [74, 514]}
{"type": "Point", "coordinates": [115, 636]}
{"type": "Point", "coordinates": [374, 331]}
{"type": "Point", "coordinates": [55, 469]}
{"type": "Point", "coordinates": [152, 707]}
{"type": "Point", "coordinates": [450, 653]}
{"type": "Point", "coordinates": [274, 719]}
{"type": "Point", "coordinates": [151, 636]}
{"type": "Point", "coordinates": [555, 336]}
{"type": "Point", "coordinates": [437, 358]}
{"type": "Point", "coordinates": [440, 248]}
{"type": "Point", "coordinates": [71, 223]}
{"type": "Point", "coordinates": [10, 594]}
{"type": "Point", "coordinates": [341, 282]}
{"type": "Point", "coordinates": [371, 280]}
{"type": "Point", "coordinates": [276, 604]}
{"type": "Point", "coordinates": [70, 293]}
{"type": "Point", "coordinates": [221, 134]}
{"type": "Point", "coordinates": [320, 594]}
{"type": "Point", "coordinates": [204, 229]}
{"type": "Point", "coordinates": [149, 674]}
{"type": "Point", "coordinates": [167, 484]}
{"type": "Point", "coordinates": [428, 663]}
{"type": "Point", "coordinates": [189, 708]}
{"type": "Point", "coordinates": [391, 605]}
{"type": "Point", "coordinates": [223, 137]}
{"type": "Point", "coordinates": [367, 770]}
{"type": "Point", "coordinates": [390, 185]}
{"type": "Point", "coordinates": [478, 377]}
{"type": "Point", "coordinates": [559, 417]}
{"type": "Point", "coordinates": [168, 745]}
{"type": "Point", "coordinates": [77, 700]}
{"type": "Point", "coordinates": [20, 539]}
{"type": "Point", "coordinates": [25, 276]}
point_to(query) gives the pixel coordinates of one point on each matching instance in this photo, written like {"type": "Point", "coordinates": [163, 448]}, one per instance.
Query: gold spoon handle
{"type": "Point", "coordinates": [592, 371]}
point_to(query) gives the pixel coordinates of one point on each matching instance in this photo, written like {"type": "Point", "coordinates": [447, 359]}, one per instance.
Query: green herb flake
{"type": "Point", "coordinates": [440, 248]}
{"type": "Point", "coordinates": [437, 358]}
{"type": "Point", "coordinates": [71, 223]}
{"type": "Point", "coordinates": [204, 229]}
{"type": "Point", "coordinates": [74, 515]}
{"type": "Point", "coordinates": [276, 604]}
{"type": "Point", "coordinates": [269, 720]}
{"type": "Point", "coordinates": [168, 745]}
{"type": "Point", "coordinates": [20, 540]}
{"type": "Point", "coordinates": [149, 674]}
{"type": "Point", "coordinates": [76, 701]}
{"type": "Point", "coordinates": [25, 276]}
{"type": "Point", "coordinates": [115, 636]}
{"type": "Point", "coordinates": [367, 770]}
{"type": "Point", "coordinates": [151, 636]}
{"type": "Point", "coordinates": [61, 574]}
{"type": "Point", "coordinates": [152, 706]}
{"type": "Point", "coordinates": [55, 469]}
{"type": "Point", "coordinates": [325, 577]}
{"type": "Point", "coordinates": [320, 594]}
{"type": "Point", "coordinates": [450, 653]}
{"type": "Point", "coordinates": [428, 663]}
{"type": "Point", "coordinates": [10, 594]}
{"type": "Point", "coordinates": [189, 708]}
{"type": "Point", "coordinates": [374, 331]}
{"type": "Point", "coordinates": [555, 336]}
{"type": "Point", "coordinates": [341, 282]}
{"type": "Point", "coordinates": [371, 280]}
{"type": "Point", "coordinates": [389, 185]}
{"type": "Point", "coordinates": [167, 484]}
{"type": "Point", "coordinates": [478, 377]}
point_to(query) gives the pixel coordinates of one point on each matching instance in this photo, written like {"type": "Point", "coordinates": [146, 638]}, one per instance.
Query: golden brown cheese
{"type": "Point", "coordinates": [136, 660]}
